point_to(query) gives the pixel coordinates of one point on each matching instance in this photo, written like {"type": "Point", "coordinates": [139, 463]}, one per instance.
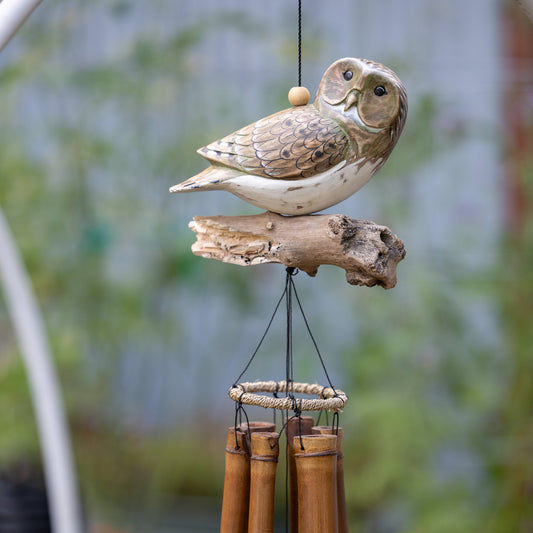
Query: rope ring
{"type": "Point", "coordinates": [328, 399]}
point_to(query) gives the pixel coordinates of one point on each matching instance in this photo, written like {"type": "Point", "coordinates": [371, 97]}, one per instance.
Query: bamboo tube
{"type": "Point", "coordinates": [235, 500]}
{"type": "Point", "coordinates": [248, 428]}
{"type": "Point", "coordinates": [254, 427]}
{"type": "Point", "coordinates": [341, 496]}
{"type": "Point", "coordinates": [317, 484]}
{"type": "Point", "coordinates": [294, 426]}
{"type": "Point", "coordinates": [263, 463]}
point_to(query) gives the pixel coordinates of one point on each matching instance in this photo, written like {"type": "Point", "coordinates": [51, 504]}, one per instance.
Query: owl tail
{"type": "Point", "coordinates": [209, 179]}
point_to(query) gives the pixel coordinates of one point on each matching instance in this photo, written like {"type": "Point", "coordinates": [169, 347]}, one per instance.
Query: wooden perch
{"type": "Point", "coordinates": [368, 252]}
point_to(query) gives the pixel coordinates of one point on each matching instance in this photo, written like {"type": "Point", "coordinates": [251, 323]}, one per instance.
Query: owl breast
{"type": "Point", "coordinates": [291, 197]}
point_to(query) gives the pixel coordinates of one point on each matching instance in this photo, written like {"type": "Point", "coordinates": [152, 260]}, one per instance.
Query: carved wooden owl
{"type": "Point", "coordinates": [310, 157]}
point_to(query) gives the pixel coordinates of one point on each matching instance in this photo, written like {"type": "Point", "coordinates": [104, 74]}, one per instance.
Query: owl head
{"type": "Point", "coordinates": [368, 99]}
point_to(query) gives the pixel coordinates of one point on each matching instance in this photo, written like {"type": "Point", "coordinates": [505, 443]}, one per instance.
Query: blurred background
{"type": "Point", "coordinates": [102, 107]}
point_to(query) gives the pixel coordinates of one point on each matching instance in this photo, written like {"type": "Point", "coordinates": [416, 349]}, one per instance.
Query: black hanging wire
{"type": "Point", "coordinates": [288, 292]}
{"type": "Point", "coordinates": [286, 475]}
{"type": "Point", "coordinates": [275, 395]}
{"type": "Point", "coordinates": [312, 337]}
{"type": "Point", "coordinates": [239, 411]}
{"type": "Point", "coordinates": [317, 422]}
{"type": "Point", "coordinates": [289, 364]}
{"type": "Point", "coordinates": [262, 338]}
{"type": "Point", "coordinates": [289, 374]}
{"type": "Point", "coordinates": [335, 423]}
{"type": "Point", "coordinates": [299, 43]}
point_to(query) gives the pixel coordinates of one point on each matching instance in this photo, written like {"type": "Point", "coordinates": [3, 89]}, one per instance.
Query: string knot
{"type": "Point", "coordinates": [297, 409]}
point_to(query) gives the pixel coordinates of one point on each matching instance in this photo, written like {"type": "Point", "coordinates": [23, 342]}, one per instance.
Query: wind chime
{"type": "Point", "coordinates": [297, 162]}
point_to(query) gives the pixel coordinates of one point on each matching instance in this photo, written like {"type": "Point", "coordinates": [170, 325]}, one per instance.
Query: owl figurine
{"type": "Point", "coordinates": [310, 157]}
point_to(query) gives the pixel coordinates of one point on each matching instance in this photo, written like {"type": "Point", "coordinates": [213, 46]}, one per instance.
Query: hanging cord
{"type": "Point", "coordinates": [289, 364]}
{"type": "Point", "coordinates": [239, 411]}
{"type": "Point", "coordinates": [297, 414]}
{"type": "Point", "coordinates": [288, 292]}
{"type": "Point", "coordinates": [299, 43]}
{"type": "Point", "coordinates": [275, 395]}
{"type": "Point", "coordinates": [317, 423]}
{"type": "Point", "coordinates": [262, 338]}
{"type": "Point", "coordinates": [313, 338]}
{"type": "Point", "coordinates": [335, 424]}
{"type": "Point", "coordinates": [286, 480]}
{"type": "Point", "coordinates": [289, 373]}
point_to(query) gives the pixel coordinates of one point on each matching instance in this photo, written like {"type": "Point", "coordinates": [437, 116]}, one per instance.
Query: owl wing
{"type": "Point", "coordinates": [292, 144]}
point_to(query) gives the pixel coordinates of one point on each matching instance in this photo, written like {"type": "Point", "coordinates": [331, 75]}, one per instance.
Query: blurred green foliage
{"type": "Point", "coordinates": [68, 220]}
{"type": "Point", "coordinates": [439, 434]}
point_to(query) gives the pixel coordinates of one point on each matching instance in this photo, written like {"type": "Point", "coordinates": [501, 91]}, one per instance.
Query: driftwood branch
{"type": "Point", "coordinates": [368, 252]}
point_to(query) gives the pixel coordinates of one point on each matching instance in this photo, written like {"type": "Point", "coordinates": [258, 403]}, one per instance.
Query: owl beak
{"type": "Point", "coordinates": [351, 99]}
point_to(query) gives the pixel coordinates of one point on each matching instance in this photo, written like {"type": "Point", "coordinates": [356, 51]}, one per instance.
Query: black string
{"type": "Point", "coordinates": [286, 482]}
{"type": "Point", "coordinates": [288, 291]}
{"type": "Point", "coordinates": [335, 424]}
{"type": "Point", "coordinates": [262, 339]}
{"type": "Point", "coordinates": [299, 415]}
{"type": "Point", "coordinates": [288, 379]}
{"type": "Point", "coordinates": [289, 390]}
{"type": "Point", "coordinates": [299, 43]}
{"type": "Point", "coordinates": [289, 365]}
{"type": "Point", "coordinates": [284, 426]}
{"type": "Point", "coordinates": [312, 337]}
{"type": "Point", "coordinates": [275, 395]}
{"type": "Point", "coordinates": [317, 423]}
{"type": "Point", "coordinates": [239, 410]}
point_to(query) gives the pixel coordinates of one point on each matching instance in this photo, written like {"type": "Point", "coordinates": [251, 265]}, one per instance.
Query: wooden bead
{"type": "Point", "coordinates": [298, 96]}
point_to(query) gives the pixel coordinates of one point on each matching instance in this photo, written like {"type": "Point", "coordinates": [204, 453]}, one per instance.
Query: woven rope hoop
{"type": "Point", "coordinates": [328, 399]}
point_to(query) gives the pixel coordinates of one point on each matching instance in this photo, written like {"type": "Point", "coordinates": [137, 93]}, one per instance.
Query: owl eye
{"type": "Point", "coordinates": [348, 75]}
{"type": "Point", "coordinates": [380, 90]}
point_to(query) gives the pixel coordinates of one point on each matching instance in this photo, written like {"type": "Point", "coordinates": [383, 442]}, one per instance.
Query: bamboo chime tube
{"type": "Point", "coordinates": [295, 427]}
{"type": "Point", "coordinates": [235, 499]}
{"type": "Point", "coordinates": [253, 427]}
{"type": "Point", "coordinates": [341, 497]}
{"type": "Point", "coordinates": [316, 467]}
{"type": "Point", "coordinates": [263, 463]}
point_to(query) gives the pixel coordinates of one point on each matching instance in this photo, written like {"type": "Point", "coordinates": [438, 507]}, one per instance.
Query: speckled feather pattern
{"type": "Point", "coordinates": [292, 144]}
